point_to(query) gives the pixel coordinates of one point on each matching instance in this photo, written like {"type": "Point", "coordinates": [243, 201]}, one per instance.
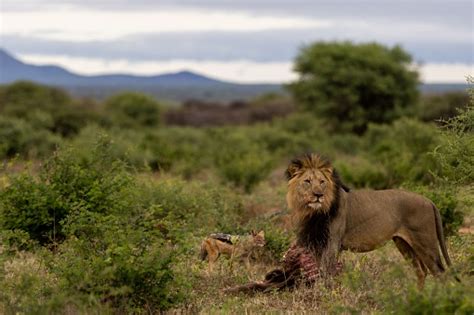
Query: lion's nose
{"type": "Point", "coordinates": [319, 195]}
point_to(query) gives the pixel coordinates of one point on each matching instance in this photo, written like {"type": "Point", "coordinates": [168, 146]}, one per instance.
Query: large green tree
{"type": "Point", "coordinates": [351, 85]}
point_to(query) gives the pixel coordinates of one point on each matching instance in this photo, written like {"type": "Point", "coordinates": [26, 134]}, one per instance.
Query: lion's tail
{"type": "Point", "coordinates": [439, 232]}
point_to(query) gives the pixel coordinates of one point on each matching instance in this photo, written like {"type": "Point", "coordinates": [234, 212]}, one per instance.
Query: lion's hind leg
{"type": "Point", "coordinates": [409, 254]}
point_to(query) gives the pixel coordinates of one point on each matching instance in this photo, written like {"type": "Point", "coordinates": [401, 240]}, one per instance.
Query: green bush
{"type": "Point", "coordinates": [351, 85]}
{"type": "Point", "coordinates": [28, 287]}
{"type": "Point", "coordinates": [126, 262]}
{"type": "Point", "coordinates": [130, 109]}
{"type": "Point", "coordinates": [456, 150]}
{"type": "Point", "coordinates": [242, 162]}
{"type": "Point", "coordinates": [184, 151]}
{"type": "Point", "coordinates": [403, 149]}
{"type": "Point", "coordinates": [38, 205]}
{"type": "Point", "coordinates": [14, 135]}
{"type": "Point", "coordinates": [445, 199]}
{"type": "Point", "coordinates": [449, 298]}
{"type": "Point", "coordinates": [195, 208]}
{"type": "Point", "coordinates": [359, 172]}
{"type": "Point", "coordinates": [22, 99]}
{"type": "Point", "coordinates": [18, 137]}
{"type": "Point", "coordinates": [441, 107]}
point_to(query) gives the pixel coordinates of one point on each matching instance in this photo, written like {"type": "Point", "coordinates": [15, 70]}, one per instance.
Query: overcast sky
{"type": "Point", "coordinates": [241, 41]}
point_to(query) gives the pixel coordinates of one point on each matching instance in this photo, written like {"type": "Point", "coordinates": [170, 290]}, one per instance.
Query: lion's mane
{"type": "Point", "coordinates": [312, 226]}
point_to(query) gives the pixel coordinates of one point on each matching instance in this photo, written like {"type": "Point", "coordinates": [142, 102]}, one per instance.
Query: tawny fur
{"type": "Point", "coordinates": [330, 218]}
{"type": "Point", "coordinates": [244, 247]}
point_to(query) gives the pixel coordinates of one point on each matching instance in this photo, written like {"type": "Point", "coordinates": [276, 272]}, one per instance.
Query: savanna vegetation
{"type": "Point", "coordinates": [103, 205]}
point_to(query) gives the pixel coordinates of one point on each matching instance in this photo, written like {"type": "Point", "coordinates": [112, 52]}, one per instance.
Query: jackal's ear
{"type": "Point", "coordinates": [293, 168]}
{"type": "Point", "coordinates": [253, 232]}
{"type": "Point", "coordinates": [261, 233]}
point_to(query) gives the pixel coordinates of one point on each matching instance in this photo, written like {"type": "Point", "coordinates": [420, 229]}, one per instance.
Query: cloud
{"type": "Point", "coordinates": [223, 32]}
{"type": "Point", "coordinates": [87, 25]}
{"type": "Point", "coordinates": [263, 46]}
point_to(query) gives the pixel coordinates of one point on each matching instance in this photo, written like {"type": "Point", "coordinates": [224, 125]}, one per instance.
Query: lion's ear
{"type": "Point", "coordinates": [293, 168]}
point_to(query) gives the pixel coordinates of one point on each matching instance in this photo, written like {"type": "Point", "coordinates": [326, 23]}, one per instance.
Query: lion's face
{"type": "Point", "coordinates": [311, 186]}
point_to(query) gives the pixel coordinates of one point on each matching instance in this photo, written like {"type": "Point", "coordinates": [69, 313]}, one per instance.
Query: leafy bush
{"type": "Point", "coordinates": [445, 199]}
{"type": "Point", "coordinates": [403, 150]}
{"type": "Point", "coordinates": [38, 206]}
{"type": "Point", "coordinates": [450, 298]}
{"type": "Point", "coordinates": [130, 109]}
{"type": "Point", "coordinates": [18, 137]}
{"type": "Point", "coordinates": [126, 262]}
{"type": "Point", "coordinates": [28, 287]}
{"type": "Point", "coordinates": [200, 208]}
{"type": "Point", "coordinates": [351, 85]}
{"type": "Point", "coordinates": [456, 150]}
{"type": "Point", "coordinates": [242, 162]}
{"type": "Point", "coordinates": [360, 172]}
{"type": "Point", "coordinates": [440, 107]}
{"type": "Point", "coordinates": [13, 136]}
{"type": "Point", "coordinates": [185, 151]}
{"type": "Point", "coordinates": [21, 99]}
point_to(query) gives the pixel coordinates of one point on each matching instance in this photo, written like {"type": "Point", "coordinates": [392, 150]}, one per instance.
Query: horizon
{"type": "Point", "coordinates": [239, 42]}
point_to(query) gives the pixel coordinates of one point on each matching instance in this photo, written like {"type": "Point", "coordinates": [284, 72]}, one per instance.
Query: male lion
{"type": "Point", "coordinates": [330, 218]}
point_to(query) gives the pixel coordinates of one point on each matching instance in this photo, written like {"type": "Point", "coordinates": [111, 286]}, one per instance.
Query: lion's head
{"type": "Point", "coordinates": [313, 186]}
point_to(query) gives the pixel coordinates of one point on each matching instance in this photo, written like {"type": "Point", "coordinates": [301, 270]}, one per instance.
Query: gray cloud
{"type": "Point", "coordinates": [263, 46]}
{"type": "Point", "coordinates": [454, 13]}
{"type": "Point", "coordinates": [433, 31]}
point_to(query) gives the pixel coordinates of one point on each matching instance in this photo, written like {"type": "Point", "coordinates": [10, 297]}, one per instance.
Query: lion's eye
{"type": "Point", "coordinates": [322, 181]}
{"type": "Point", "coordinates": [307, 181]}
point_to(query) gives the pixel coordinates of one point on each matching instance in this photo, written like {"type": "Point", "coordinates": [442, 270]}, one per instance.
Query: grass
{"type": "Point", "coordinates": [377, 282]}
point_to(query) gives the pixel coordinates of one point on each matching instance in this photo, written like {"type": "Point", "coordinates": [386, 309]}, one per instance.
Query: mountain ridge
{"type": "Point", "coordinates": [13, 70]}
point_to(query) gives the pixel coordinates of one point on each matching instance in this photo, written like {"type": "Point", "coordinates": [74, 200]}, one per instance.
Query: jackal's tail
{"type": "Point", "coordinates": [203, 252]}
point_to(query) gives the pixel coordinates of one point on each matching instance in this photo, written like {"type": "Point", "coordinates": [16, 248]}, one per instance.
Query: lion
{"type": "Point", "coordinates": [330, 218]}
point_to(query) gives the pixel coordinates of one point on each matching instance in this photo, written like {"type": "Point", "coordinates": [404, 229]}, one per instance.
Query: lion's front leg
{"type": "Point", "coordinates": [329, 256]}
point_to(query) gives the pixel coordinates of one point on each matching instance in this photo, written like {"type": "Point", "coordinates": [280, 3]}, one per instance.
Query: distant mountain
{"type": "Point", "coordinates": [172, 86]}
{"type": "Point", "coordinates": [14, 70]}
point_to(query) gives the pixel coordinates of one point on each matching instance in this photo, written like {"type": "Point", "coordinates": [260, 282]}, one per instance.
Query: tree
{"type": "Point", "coordinates": [132, 109]}
{"type": "Point", "coordinates": [351, 85]}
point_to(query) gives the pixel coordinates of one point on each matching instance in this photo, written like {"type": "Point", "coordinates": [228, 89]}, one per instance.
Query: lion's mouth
{"type": "Point", "coordinates": [316, 204]}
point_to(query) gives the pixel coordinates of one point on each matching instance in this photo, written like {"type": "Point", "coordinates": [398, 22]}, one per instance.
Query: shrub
{"type": "Point", "coordinates": [445, 199]}
{"type": "Point", "coordinates": [403, 149]}
{"type": "Point", "coordinates": [65, 184]}
{"type": "Point", "coordinates": [360, 172]}
{"type": "Point", "coordinates": [126, 262]}
{"type": "Point", "coordinates": [18, 137]}
{"type": "Point", "coordinates": [441, 107]}
{"type": "Point", "coordinates": [195, 208]}
{"type": "Point", "coordinates": [28, 287]}
{"type": "Point", "coordinates": [130, 109]}
{"type": "Point", "coordinates": [22, 98]}
{"type": "Point", "coordinates": [13, 136]}
{"type": "Point", "coordinates": [351, 85]}
{"type": "Point", "coordinates": [449, 298]}
{"type": "Point", "coordinates": [242, 162]}
{"type": "Point", "coordinates": [456, 150]}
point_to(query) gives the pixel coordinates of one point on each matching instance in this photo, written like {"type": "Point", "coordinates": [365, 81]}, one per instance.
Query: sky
{"type": "Point", "coordinates": [239, 41]}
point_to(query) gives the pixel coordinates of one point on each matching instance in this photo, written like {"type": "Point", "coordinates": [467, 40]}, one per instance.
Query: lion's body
{"type": "Point", "coordinates": [330, 218]}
